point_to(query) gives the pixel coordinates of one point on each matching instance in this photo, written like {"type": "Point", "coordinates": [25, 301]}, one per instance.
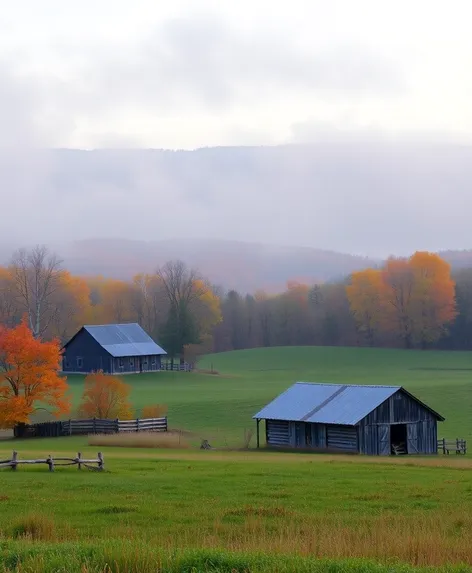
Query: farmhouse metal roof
{"type": "Point", "coordinates": [122, 340]}
{"type": "Point", "coordinates": [328, 403]}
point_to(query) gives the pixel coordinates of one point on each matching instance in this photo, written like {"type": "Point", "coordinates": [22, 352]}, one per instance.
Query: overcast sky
{"type": "Point", "coordinates": [187, 74]}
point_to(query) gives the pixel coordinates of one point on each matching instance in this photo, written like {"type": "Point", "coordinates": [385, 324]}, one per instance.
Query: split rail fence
{"type": "Point", "coordinates": [457, 446]}
{"type": "Point", "coordinates": [92, 426]}
{"type": "Point", "coordinates": [51, 462]}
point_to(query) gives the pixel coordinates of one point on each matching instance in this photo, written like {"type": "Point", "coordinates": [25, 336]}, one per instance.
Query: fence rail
{"type": "Point", "coordinates": [457, 446]}
{"type": "Point", "coordinates": [51, 462]}
{"type": "Point", "coordinates": [185, 367]}
{"type": "Point", "coordinates": [143, 425]}
{"type": "Point", "coordinates": [92, 426]}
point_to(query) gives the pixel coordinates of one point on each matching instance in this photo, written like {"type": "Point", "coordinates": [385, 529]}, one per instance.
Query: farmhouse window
{"type": "Point", "coordinates": [131, 362]}
{"type": "Point", "coordinates": [80, 362]}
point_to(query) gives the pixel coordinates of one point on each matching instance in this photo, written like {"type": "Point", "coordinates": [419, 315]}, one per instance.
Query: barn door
{"type": "Point", "coordinates": [412, 438]}
{"type": "Point", "coordinates": [384, 440]}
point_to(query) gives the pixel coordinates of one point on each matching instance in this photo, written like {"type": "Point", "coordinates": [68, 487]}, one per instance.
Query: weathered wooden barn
{"type": "Point", "coordinates": [113, 348]}
{"type": "Point", "coordinates": [373, 420]}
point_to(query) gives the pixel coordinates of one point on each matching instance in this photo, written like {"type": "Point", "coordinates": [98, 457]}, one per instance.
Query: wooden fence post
{"type": "Point", "coordinates": [137, 424]}
{"type": "Point", "coordinates": [94, 426]}
{"type": "Point", "coordinates": [444, 446]}
{"type": "Point", "coordinates": [101, 465]}
{"type": "Point", "coordinates": [13, 460]}
{"type": "Point", "coordinates": [79, 465]}
{"type": "Point", "coordinates": [70, 427]}
{"type": "Point", "coordinates": [50, 463]}
{"type": "Point", "coordinates": [117, 426]}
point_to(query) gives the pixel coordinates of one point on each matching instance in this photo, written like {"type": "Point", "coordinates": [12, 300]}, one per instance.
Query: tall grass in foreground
{"type": "Point", "coordinates": [171, 440]}
{"type": "Point", "coordinates": [139, 557]}
{"type": "Point", "coordinates": [427, 540]}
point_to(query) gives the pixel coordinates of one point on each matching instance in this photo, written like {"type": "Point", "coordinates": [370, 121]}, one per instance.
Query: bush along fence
{"type": "Point", "coordinates": [51, 462]}
{"type": "Point", "coordinates": [92, 426]}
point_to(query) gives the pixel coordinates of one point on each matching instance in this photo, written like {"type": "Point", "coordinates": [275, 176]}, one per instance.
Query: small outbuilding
{"type": "Point", "coordinates": [373, 420]}
{"type": "Point", "coordinates": [112, 348]}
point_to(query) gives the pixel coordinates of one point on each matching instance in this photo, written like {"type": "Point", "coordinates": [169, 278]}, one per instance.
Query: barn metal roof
{"type": "Point", "coordinates": [328, 403]}
{"type": "Point", "coordinates": [122, 340]}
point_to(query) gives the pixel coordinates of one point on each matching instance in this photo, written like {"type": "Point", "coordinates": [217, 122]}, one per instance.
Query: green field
{"type": "Point", "coordinates": [238, 511]}
{"type": "Point", "coordinates": [221, 406]}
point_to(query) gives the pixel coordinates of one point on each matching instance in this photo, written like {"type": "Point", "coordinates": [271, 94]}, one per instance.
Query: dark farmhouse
{"type": "Point", "coordinates": [113, 348]}
{"type": "Point", "coordinates": [374, 420]}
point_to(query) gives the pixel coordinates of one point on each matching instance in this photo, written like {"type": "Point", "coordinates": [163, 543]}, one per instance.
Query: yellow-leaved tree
{"type": "Point", "coordinates": [413, 299]}
{"type": "Point", "coordinates": [105, 397]}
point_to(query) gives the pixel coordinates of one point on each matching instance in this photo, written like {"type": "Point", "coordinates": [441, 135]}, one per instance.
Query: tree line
{"type": "Point", "coordinates": [408, 302]}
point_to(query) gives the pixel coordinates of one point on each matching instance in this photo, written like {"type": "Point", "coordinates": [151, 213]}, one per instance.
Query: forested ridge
{"type": "Point", "coordinates": [415, 302]}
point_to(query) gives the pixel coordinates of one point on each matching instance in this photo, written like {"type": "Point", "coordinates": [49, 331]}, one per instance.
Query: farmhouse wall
{"type": "Point", "coordinates": [84, 354]}
{"type": "Point", "coordinates": [134, 364]}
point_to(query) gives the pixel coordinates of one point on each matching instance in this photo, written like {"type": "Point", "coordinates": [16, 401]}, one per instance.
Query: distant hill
{"type": "Point", "coordinates": [365, 196]}
{"type": "Point", "coordinates": [231, 264]}
{"type": "Point", "coordinates": [246, 267]}
{"type": "Point", "coordinates": [368, 196]}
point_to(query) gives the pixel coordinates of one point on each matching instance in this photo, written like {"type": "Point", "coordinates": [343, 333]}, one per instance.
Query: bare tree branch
{"type": "Point", "coordinates": [36, 278]}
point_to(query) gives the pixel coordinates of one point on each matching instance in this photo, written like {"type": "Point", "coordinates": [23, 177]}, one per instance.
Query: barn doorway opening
{"type": "Point", "coordinates": [398, 439]}
{"type": "Point", "coordinates": [308, 440]}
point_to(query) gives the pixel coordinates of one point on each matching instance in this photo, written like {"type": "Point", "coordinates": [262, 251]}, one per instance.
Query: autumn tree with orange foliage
{"type": "Point", "coordinates": [111, 301]}
{"type": "Point", "coordinates": [29, 376]}
{"type": "Point", "coordinates": [413, 299]}
{"type": "Point", "coordinates": [105, 397]}
{"type": "Point", "coordinates": [368, 303]}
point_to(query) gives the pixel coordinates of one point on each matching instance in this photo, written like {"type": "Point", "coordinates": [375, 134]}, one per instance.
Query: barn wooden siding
{"type": "Point", "coordinates": [374, 429]}
{"type": "Point", "coordinates": [83, 354]}
{"type": "Point", "coordinates": [133, 364]}
{"type": "Point", "coordinates": [317, 436]}
{"type": "Point", "coordinates": [370, 436]}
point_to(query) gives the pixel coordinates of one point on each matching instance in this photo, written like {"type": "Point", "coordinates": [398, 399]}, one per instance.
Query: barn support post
{"type": "Point", "coordinates": [257, 431]}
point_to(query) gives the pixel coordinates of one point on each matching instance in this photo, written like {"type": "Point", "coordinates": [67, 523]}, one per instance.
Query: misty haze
{"type": "Point", "coordinates": [314, 142]}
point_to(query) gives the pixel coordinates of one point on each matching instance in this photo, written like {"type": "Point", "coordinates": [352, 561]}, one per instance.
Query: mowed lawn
{"type": "Point", "coordinates": [220, 407]}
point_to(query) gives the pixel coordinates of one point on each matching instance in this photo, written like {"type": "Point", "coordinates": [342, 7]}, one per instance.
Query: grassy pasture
{"type": "Point", "coordinates": [415, 511]}
{"type": "Point", "coordinates": [222, 511]}
{"type": "Point", "coordinates": [220, 407]}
